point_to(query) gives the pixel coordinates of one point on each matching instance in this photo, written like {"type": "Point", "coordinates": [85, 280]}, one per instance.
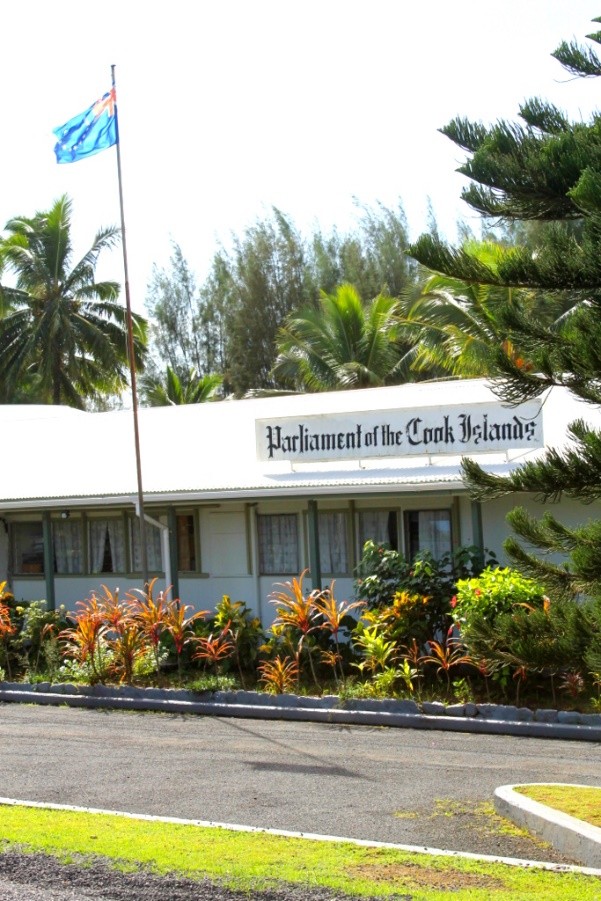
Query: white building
{"type": "Point", "coordinates": [243, 494]}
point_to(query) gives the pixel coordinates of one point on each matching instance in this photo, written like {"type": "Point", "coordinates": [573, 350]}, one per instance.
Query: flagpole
{"type": "Point", "coordinates": [130, 350]}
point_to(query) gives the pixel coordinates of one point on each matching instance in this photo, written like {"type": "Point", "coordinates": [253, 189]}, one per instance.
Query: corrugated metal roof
{"type": "Point", "coordinates": [210, 449]}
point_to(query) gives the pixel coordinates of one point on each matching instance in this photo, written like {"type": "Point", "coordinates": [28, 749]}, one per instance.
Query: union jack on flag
{"type": "Point", "coordinates": [89, 132]}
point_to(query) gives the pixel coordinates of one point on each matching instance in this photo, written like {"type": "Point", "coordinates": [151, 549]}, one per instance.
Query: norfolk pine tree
{"type": "Point", "coordinates": [545, 170]}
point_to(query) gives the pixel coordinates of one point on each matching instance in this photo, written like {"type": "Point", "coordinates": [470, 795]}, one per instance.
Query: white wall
{"type": "Point", "coordinates": [224, 543]}
{"type": "Point", "coordinates": [495, 528]}
{"type": "Point", "coordinates": [229, 557]}
{"type": "Point", "coordinates": [69, 590]}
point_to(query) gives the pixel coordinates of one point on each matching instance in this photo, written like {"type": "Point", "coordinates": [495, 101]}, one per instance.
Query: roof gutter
{"type": "Point", "coordinates": [261, 492]}
{"type": "Point", "coordinates": [21, 505]}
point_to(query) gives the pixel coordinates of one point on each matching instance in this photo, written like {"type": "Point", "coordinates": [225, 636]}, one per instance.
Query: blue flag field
{"type": "Point", "coordinates": [89, 132]}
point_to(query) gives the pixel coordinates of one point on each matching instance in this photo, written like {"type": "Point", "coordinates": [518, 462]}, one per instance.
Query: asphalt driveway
{"type": "Point", "coordinates": [400, 785]}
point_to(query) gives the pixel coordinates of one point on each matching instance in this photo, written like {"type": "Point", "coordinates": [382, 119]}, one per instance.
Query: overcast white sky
{"type": "Point", "coordinates": [227, 107]}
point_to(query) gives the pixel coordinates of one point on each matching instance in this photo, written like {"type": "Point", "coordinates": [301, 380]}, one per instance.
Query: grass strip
{"type": "Point", "coordinates": [251, 861]}
{"type": "Point", "coordinates": [582, 802]}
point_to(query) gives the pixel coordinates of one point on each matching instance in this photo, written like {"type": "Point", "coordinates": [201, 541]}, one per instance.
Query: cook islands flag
{"type": "Point", "coordinates": [90, 132]}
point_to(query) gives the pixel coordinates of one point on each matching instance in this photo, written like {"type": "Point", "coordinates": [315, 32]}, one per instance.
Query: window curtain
{"type": "Point", "coordinates": [99, 529]}
{"type": "Point", "coordinates": [153, 547]}
{"type": "Point", "coordinates": [434, 532]}
{"type": "Point", "coordinates": [333, 554]}
{"type": "Point", "coordinates": [117, 543]}
{"type": "Point", "coordinates": [373, 526]}
{"type": "Point", "coordinates": [97, 543]}
{"type": "Point", "coordinates": [278, 543]}
{"type": "Point", "coordinates": [68, 548]}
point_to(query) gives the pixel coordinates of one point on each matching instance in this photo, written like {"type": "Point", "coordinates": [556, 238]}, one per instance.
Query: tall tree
{"type": "Point", "coordinates": [63, 335]}
{"type": "Point", "coordinates": [373, 257]}
{"type": "Point", "coordinates": [172, 301]}
{"type": "Point", "coordinates": [343, 343]}
{"type": "Point", "coordinates": [549, 170]}
{"type": "Point", "coordinates": [259, 282]}
{"type": "Point", "coordinates": [271, 271]}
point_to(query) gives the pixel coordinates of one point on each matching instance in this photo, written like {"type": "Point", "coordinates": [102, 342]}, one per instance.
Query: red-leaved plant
{"type": "Point", "coordinates": [179, 625]}
{"type": "Point", "coordinates": [82, 640]}
{"type": "Point", "coordinates": [280, 675]}
{"type": "Point", "coordinates": [332, 614]}
{"type": "Point", "coordinates": [7, 628]}
{"type": "Point", "coordinates": [299, 611]}
{"type": "Point", "coordinates": [214, 649]}
{"type": "Point", "coordinates": [149, 615]}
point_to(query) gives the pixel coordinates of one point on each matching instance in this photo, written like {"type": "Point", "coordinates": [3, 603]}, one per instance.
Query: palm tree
{"type": "Point", "coordinates": [171, 389]}
{"type": "Point", "coordinates": [342, 343]}
{"type": "Point", "coordinates": [462, 327]}
{"type": "Point", "coordinates": [63, 335]}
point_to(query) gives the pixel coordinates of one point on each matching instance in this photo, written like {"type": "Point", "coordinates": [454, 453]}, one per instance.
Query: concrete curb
{"type": "Point", "coordinates": [313, 836]}
{"type": "Point", "coordinates": [482, 719]}
{"type": "Point", "coordinates": [571, 836]}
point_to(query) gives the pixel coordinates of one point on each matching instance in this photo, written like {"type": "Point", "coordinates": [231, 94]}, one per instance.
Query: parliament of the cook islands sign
{"type": "Point", "coordinates": [480, 428]}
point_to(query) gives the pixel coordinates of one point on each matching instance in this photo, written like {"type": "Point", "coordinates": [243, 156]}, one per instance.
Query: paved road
{"type": "Point", "coordinates": [374, 783]}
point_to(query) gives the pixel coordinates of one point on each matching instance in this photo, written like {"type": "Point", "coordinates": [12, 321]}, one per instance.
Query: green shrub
{"type": "Point", "coordinates": [507, 620]}
{"type": "Point", "coordinates": [492, 593]}
{"type": "Point", "coordinates": [37, 640]}
{"type": "Point", "coordinates": [414, 594]}
{"type": "Point", "coordinates": [211, 682]}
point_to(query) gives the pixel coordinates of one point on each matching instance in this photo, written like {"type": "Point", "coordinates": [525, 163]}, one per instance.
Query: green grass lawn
{"type": "Point", "coordinates": [252, 861]}
{"type": "Point", "coordinates": [577, 801]}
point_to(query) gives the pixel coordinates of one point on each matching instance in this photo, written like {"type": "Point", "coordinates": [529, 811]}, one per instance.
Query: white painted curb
{"type": "Point", "coordinates": [573, 837]}
{"type": "Point", "coordinates": [312, 836]}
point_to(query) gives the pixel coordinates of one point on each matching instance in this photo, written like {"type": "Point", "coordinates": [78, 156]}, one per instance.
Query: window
{"type": "Point", "coordinates": [186, 543]}
{"type": "Point", "coordinates": [379, 526]}
{"type": "Point", "coordinates": [68, 546]}
{"type": "Point", "coordinates": [428, 530]}
{"type": "Point", "coordinates": [333, 554]}
{"type": "Point", "coordinates": [154, 556]}
{"type": "Point", "coordinates": [107, 545]}
{"type": "Point", "coordinates": [28, 548]}
{"type": "Point", "coordinates": [278, 543]}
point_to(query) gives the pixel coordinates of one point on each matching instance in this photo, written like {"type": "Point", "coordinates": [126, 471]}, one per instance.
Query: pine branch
{"type": "Point", "coordinates": [575, 471]}
{"type": "Point", "coordinates": [556, 579]}
{"type": "Point", "coordinates": [547, 533]}
{"type": "Point", "coordinates": [544, 116]}
{"type": "Point", "coordinates": [586, 194]}
{"type": "Point", "coordinates": [467, 135]}
{"type": "Point", "coordinates": [581, 61]}
{"type": "Point", "coordinates": [432, 252]}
